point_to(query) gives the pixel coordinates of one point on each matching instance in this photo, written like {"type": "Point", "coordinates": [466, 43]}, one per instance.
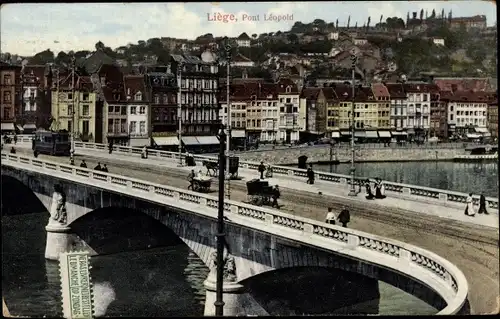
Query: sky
{"type": "Point", "coordinates": [26, 29]}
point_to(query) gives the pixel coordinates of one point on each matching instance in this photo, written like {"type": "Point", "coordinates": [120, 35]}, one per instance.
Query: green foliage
{"type": "Point", "coordinates": [43, 57]}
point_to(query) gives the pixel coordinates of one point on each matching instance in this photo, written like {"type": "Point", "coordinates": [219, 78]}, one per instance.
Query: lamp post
{"type": "Point", "coordinates": [179, 110]}
{"type": "Point", "coordinates": [228, 124]}
{"type": "Point", "coordinates": [21, 95]}
{"type": "Point", "coordinates": [352, 191]}
{"type": "Point", "coordinates": [219, 303]}
{"type": "Point", "coordinates": [74, 111]}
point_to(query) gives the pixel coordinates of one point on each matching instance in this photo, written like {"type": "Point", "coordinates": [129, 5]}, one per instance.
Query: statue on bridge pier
{"type": "Point", "coordinates": [228, 264]}
{"type": "Point", "coordinates": [58, 211]}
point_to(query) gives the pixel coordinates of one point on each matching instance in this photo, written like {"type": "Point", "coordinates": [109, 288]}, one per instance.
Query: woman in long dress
{"type": "Point", "coordinates": [469, 208]}
{"type": "Point", "coordinates": [369, 194]}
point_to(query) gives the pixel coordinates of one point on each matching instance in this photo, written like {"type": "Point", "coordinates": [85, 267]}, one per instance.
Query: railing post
{"type": "Point", "coordinates": [269, 218]}
{"type": "Point", "coordinates": [404, 257]}
{"type": "Point", "coordinates": [443, 197]}
{"type": "Point", "coordinates": [352, 240]}
{"type": "Point", "coordinates": [406, 191]}
{"type": "Point", "coordinates": [308, 228]}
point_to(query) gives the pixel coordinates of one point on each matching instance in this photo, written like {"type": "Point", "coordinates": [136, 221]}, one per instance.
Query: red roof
{"type": "Point", "coordinates": [283, 83]}
{"type": "Point", "coordinates": [329, 93]}
{"type": "Point", "coordinates": [379, 90]}
{"type": "Point", "coordinates": [310, 93]}
{"type": "Point", "coordinates": [469, 96]}
{"type": "Point", "coordinates": [241, 58]}
{"type": "Point", "coordinates": [134, 83]}
{"type": "Point", "coordinates": [420, 87]}
{"type": "Point", "coordinates": [396, 90]}
{"type": "Point", "coordinates": [343, 92]}
{"type": "Point", "coordinates": [463, 84]}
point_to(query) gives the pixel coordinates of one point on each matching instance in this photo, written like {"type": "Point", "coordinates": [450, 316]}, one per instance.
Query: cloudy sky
{"type": "Point", "coordinates": [26, 29]}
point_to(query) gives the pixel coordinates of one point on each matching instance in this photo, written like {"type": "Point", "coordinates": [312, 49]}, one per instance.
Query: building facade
{"type": "Point", "coordinates": [467, 112]}
{"type": "Point", "coordinates": [383, 98]}
{"type": "Point", "coordinates": [398, 107]}
{"type": "Point", "coordinates": [9, 77]}
{"type": "Point", "coordinates": [199, 84]}
{"type": "Point", "coordinates": [138, 111]}
{"type": "Point", "coordinates": [418, 110]}
{"type": "Point", "coordinates": [438, 126]}
{"type": "Point", "coordinates": [493, 118]}
{"type": "Point", "coordinates": [288, 110]}
{"type": "Point", "coordinates": [78, 105]}
{"type": "Point", "coordinates": [30, 86]}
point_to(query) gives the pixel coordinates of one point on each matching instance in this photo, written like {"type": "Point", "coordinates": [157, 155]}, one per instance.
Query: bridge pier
{"type": "Point", "coordinates": [59, 240]}
{"type": "Point", "coordinates": [232, 295]}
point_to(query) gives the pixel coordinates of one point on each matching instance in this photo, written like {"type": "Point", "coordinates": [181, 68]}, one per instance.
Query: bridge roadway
{"type": "Point", "coordinates": [472, 247]}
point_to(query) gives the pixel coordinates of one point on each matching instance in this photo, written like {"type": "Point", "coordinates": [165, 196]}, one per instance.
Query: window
{"type": "Point", "coordinates": [117, 109]}
{"type": "Point", "coordinates": [123, 125]}
{"type": "Point", "coordinates": [70, 110]}
{"type": "Point", "coordinates": [110, 126]}
{"type": "Point", "coordinates": [142, 127]}
{"type": "Point", "coordinates": [288, 89]}
{"type": "Point", "coordinates": [288, 100]}
{"type": "Point", "coordinates": [86, 96]}
{"type": "Point", "coordinates": [85, 110]}
{"type": "Point", "coordinates": [70, 96]}
{"type": "Point", "coordinates": [70, 126]}
{"type": "Point", "coordinates": [142, 110]}
{"type": "Point", "coordinates": [133, 110]}
{"type": "Point", "coordinates": [85, 127]}
{"type": "Point", "coordinates": [6, 96]}
{"type": "Point", "coordinates": [133, 127]}
{"type": "Point", "coordinates": [6, 79]}
{"type": "Point", "coordinates": [451, 117]}
{"type": "Point", "coordinates": [138, 96]}
{"type": "Point", "coordinates": [123, 110]}
{"type": "Point", "coordinates": [157, 99]}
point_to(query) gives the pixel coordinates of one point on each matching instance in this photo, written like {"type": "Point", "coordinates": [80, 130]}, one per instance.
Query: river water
{"type": "Point", "coordinates": [460, 177]}
{"type": "Point", "coordinates": [157, 282]}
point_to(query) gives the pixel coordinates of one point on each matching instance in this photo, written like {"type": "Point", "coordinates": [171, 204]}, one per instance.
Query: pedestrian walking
{"type": "Point", "coordinates": [12, 150]}
{"type": "Point", "coordinates": [482, 205]}
{"type": "Point", "coordinates": [144, 153]}
{"type": "Point", "coordinates": [469, 206]}
{"type": "Point", "coordinates": [105, 169]}
{"type": "Point", "coordinates": [110, 146]}
{"type": "Point", "coordinates": [330, 216]}
{"type": "Point", "coordinates": [190, 178]}
{"type": "Point", "coordinates": [262, 168]}
{"type": "Point", "coordinates": [379, 189]}
{"type": "Point", "coordinates": [310, 175]}
{"type": "Point", "coordinates": [368, 187]}
{"type": "Point", "coordinates": [344, 216]}
{"type": "Point", "coordinates": [275, 196]}
{"type": "Point", "coordinates": [15, 138]}
{"type": "Point", "coordinates": [83, 164]}
{"type": "Point", "coordinates": [98, 167]}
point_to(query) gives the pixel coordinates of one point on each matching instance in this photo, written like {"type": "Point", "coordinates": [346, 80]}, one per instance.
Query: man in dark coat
{"type": "Point", "coordinates": [110, 146]}
{"type": "Point", "coordinates": [344, 217]}
{"type": "Point", "coordinates": [482, 205]}
{"type": "Point", "coordinates": [369, 193]}
{"type": "Point", "coordinates": [83, 164]}
{"type": "Point", "coordinates": [98, 167]}
{"type": "Point", "coordinates": [262, 168]}
{"type": "Point", "coordinates": [275, 196]}
{"type": "Point", "coordinates": [105, 169]}
{"type": "Point", "coordinates": [310, 175]}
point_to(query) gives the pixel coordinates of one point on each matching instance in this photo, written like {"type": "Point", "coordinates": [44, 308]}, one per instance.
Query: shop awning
{"type": "Point", "coordinates": [207, 140]}
{"type": "Point", "coordinates": [335, 134]}
{"type": "Point", "coordinates": [481, 130]}
{"type": "Point", "coordinates": [238, 133]}
{"type": "Point", "coordinates": [7, 127]}
{"type": "Point", "coordinates": [189, 140]}
{"type": "Point", "coordinates": [29, 126]}
{"type": "Point", "coordinates": [166, 140]}
{"type": "Point", "coordinates": [371, 134]}
{"type": "Point", "coordinates": [472, 135]}
{"type": "Point", "coordinates": [348, 133]}
{"type": "Point", "coordinates": [487, 134]}
{"type": "Point", "coordinates": [359, 134]}
{"type": "Point", "coordinates": [396, 133]}
{"type": "Point", "coordinates": [384, 134]}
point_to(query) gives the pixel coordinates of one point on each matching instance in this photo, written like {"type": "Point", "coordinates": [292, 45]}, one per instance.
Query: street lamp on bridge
{"type": "Point", "coordinates": [219, 303]}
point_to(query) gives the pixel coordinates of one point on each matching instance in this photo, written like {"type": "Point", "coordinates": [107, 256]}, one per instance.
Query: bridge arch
{"type": "Point", "coordinates": [18, 198]}
{"type": "Point", "coordinates": [115, 229]}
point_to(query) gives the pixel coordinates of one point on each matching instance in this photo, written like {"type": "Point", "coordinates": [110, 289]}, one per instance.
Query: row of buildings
{"type": "Point", "coordinates": [98, 103]}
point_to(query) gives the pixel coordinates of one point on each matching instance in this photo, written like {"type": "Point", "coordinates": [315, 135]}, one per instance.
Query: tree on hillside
{"type": "Point", "coordinates": [348, 21]}
{"type": "Point", "coordinates": [407, 18]}
{"type": "Point", "coordinates": [293, 38]}
{"type": "Point", "coordinates": [381, 17]}
{"type": "Point", "coordinates": [254, 36]}
{"type": "Point", "coordinates": [337, 24]}
{"type": "Point", "coordinates": [99, 46]}
{"type": "Point", "coordinates": [442, 14]}
{"type": "Point", "coordinates": [63, 58]}
{"type": "Point", "coordinates": [433, 14]}
{"type": "Point", "coordinates": [141, 43]}
{"type": "Point", "coordinates": [421, 14]}
{"type": "Point", "coordinates": [163, 57]}
{"type": "Point", "coordinates": [43, 57]}
{"type": "Point", "coordinates": [368, 23]}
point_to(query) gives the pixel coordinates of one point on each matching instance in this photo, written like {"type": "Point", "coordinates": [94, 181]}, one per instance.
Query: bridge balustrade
{"type": "Point", "coordinates": [436, 272]}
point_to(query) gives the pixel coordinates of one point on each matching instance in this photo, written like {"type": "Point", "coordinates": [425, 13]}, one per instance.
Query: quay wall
{"type": "Point", "coordinates": [322, 154]}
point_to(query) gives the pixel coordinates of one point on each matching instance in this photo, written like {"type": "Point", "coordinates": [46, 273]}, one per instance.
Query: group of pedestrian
{"type": "Point", "coordinates": [379, 189]}
{"type": "Point", "coordinates": [98, 167]}
{"type": "Point", "coordinates": [469, 207]}
{"type": "Point", "coordinates": [343, 218]}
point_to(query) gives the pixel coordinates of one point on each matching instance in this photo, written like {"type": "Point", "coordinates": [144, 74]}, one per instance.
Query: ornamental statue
{"type": "Point", "coordinates": [58, 211]}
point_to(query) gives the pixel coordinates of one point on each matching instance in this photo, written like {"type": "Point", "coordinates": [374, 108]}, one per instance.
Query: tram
{"type": "Point", "coordinates": [52, 143]}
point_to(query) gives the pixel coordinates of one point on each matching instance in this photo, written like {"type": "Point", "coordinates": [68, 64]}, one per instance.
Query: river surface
{"type": "Point", "coordinates": [164, 281]}
{"type": "Point", "coordinates": [460, 177]}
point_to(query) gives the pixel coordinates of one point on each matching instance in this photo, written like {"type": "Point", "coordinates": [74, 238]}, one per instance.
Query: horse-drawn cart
{"type": "Point", "coordinates": [259, 192]}
{"type": "Point", "coordinates": [212, 167]}
{"type": "Point", "coordinates": [202, 184]}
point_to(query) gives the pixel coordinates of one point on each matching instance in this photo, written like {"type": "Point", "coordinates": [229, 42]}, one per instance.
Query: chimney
{"type": "Point", "coordinates": [414, 15]}
{"type": "Point", "coordinates": [454, 88]}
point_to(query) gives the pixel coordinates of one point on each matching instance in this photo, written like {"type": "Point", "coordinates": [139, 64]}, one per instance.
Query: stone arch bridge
{"type": "Point", "coordinates": [258, 239]}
